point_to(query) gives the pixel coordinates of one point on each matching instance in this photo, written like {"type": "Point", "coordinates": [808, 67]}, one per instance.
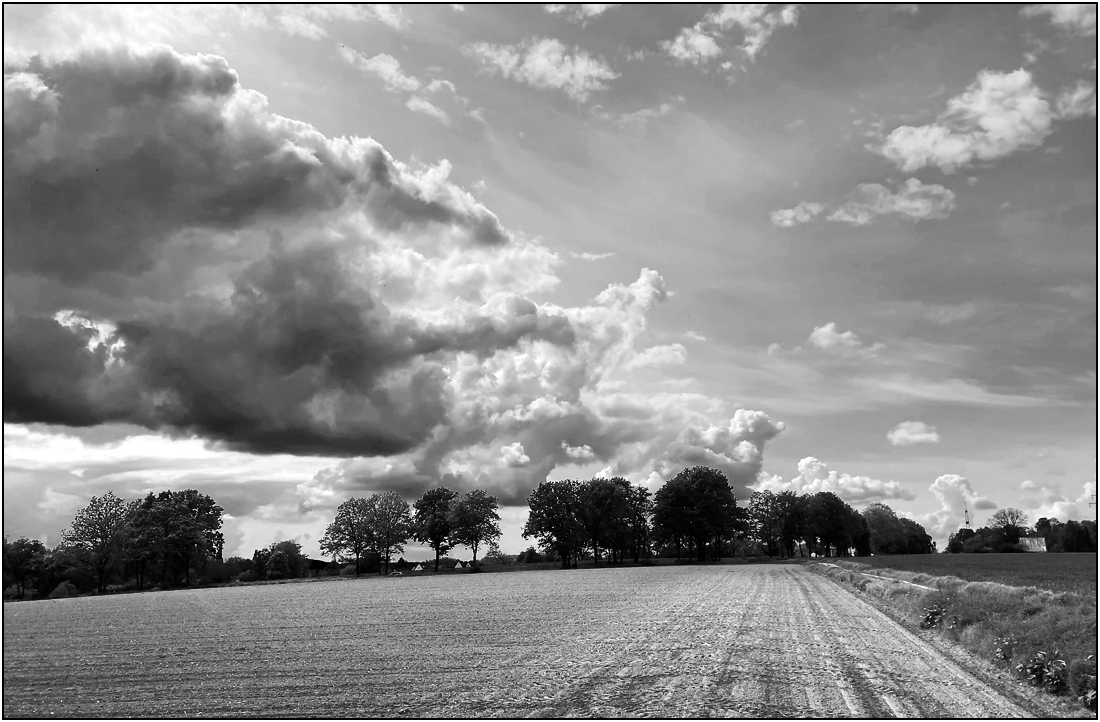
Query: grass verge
{"type": "Point", "coordinates": [1047, 639]}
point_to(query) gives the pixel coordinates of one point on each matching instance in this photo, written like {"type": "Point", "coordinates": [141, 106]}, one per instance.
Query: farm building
{"type": "Point", "coordinates": [418, 568]}
{"type": "Point", "coordinates": [1034, 543]}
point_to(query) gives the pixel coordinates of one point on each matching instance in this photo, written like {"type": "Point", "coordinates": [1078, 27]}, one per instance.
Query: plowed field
{"type": "Point", "coordinates": [730, 641]}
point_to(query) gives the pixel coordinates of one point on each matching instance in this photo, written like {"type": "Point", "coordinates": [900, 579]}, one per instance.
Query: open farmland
{"type": "Point", "coordinates": [729, 641]}
{"type": "Point", "coordinates": [1053, 572]}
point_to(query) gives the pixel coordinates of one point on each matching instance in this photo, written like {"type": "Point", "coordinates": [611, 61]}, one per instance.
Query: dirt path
{"type": "Point", "coordinates": [726, 641]}
{"type": "Point", "coordinates": [777, 641]}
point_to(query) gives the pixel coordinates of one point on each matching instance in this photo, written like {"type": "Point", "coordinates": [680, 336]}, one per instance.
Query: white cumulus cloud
{"type": "Point", "coordinates": [846, 344]}
{"type": "Point", "coordinates": [998, 114]}
{"type": "Point", "coordinates": [815, 476]}
{"type": "Point", "coordinates": [513, 455]}
{"type": "Point", "coordinates": [913, 432]}
{"type": "Point", "coordinates": [418, 104]}
{"type": "Point", "coordinates": [955, 495]}
{"type": "Point", "coordinates": [384, 67]}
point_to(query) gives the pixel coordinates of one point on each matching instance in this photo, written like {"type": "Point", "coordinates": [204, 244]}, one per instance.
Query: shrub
{"type": "Point", "coordinates": [348, 571]}
{"type": "Point", "coordinates": [63, 590]}
{"type": "Point", "coordinates": [1046, 670]}
{"type": "Point", "coordinates": [1082, 681]}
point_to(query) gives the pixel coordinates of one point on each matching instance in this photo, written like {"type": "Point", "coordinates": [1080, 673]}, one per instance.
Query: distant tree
{"type": "Point", "coordinates": [697, 505]}
{"type": "Point", "coordinates": [765, 520]}
{"type": "Point", "coordinates": [495, 555]}
{"type": "Point", "coordinates": [601, 503]}
{"type": "Point", "coordinates": [474, 520]}
{"type": "Point", "coordinates": [277, 565]}
{"type": "Point", "coordinates": [957, 540]}
{"type": "Point", "coordinates": [390, 522]}
{"type": "Point", "coordinates": [829, 524]}
{"type": "Point", "coordinates": [432, 520]}
{"type": "Point", "coordinates": [184, 525]}
{"type": "Point", "coordinates": [639, 508]}
{"type": "Point", "coordinates": [887, 534]}
{"type": "Point", "coordinates": [917, 540]}
{"type": "Point", "coordinates": [23, 560]}
{"type": "Point", "coordinates": [791, 509]}
{"type": "Point", "coordinates": [96, 535]}
{"type": "Point", "coordinates": [1012, 522]}
{"type": "Point", "coordinates": [553, 519]}
{"type": "Point", "coordinates": [349, 537]}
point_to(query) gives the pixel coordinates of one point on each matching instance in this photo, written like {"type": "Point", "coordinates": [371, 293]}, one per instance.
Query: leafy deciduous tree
{"type": "Point", "coordinates": [474, 520]}
{"type": "Point", "coordinates": [432, 520]}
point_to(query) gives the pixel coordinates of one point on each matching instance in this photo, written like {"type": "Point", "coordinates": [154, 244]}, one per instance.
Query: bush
{"type": "Point", "coordinates": [348, 571]}
{"type": "Point", "coordinates": [64, 590]}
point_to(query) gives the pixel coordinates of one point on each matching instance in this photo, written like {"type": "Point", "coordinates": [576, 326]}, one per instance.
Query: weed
{"type": "Point", "coordinates": [1046, 670]}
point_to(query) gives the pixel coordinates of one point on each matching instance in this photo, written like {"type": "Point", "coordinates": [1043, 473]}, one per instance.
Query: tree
{"type": "Point", "coordinates": [696, 505]}
{"type": "Point", "coordinates": [277, 566]}
{"type": "Point", "coordinates": [887, 534]}
{"type": "Point", "coordinates": [601, 501]}
{"type": "Point", "coordinates": [765, 520]}
{"type": "Point", "coordinates": [553, 518]}
{"type": "Point", "coordinates": [96, 535]}
{"type": "Point", "coordinates": [184, 525]}
{"type": "Point", "coordinates": [23, 560]}
{"type": "Point", "coordinates": [917, 540]}
{"type": "Point", "coordinates": [1011, 521]}
{"type": "Point", "coordinates": [390, 523]}
{"type": "Point", "coordinates": [348, 537]}
{"type": "Point", "coordinates": [432, 520]}
{"type": "Point", "coordinates": [474, 520]}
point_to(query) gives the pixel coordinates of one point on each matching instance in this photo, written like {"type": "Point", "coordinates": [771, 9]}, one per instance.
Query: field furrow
{"type": "Point", "coordinates": [731, 641]}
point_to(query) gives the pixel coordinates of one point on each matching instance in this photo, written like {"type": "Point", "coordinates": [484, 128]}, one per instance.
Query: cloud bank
{"type": "Point", "coordinates": [181, 259]}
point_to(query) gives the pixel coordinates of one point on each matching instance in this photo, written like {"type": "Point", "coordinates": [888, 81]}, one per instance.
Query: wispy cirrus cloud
{"type": "Point", "coordinates": [1076, 101]}
{"type": "Point", "coordinates": [586, 256]}
{"type": "Point", "coordinates": [382, 66]}
{"type": "Point", "coordinates": [912, 200]}
{"type": "Point", "coordinates": [545, 63]}
{"type": "Point", "coordinates": [579, 13]}
{"type": "Point", "coordinates": [1077, 18]}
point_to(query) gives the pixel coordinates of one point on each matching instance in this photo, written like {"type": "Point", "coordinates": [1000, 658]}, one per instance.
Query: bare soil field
{"type": "Point", "coordinates": [730, 641]}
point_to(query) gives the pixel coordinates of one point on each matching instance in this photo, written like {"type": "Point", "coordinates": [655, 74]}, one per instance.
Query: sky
{"type": "Point", "coordinates": [292, 255]}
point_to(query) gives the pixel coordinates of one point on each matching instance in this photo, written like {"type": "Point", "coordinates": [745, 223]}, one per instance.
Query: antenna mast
{"type": "Point", "coordinates": [966, 515]}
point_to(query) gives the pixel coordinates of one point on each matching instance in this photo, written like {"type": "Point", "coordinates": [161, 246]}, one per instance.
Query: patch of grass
{"type": "Point", "coordinates": [1047, 638]}
{"type": "Point", "coordinates": [1053, 572]}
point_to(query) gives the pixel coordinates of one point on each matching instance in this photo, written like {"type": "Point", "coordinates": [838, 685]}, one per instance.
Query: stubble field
{"type": "Point", "coordinates": [731, 641]}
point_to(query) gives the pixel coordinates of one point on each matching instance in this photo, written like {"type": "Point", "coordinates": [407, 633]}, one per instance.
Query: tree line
{"type": "Point", "coordinates": [380, 525]}
{"type": "Point", "coordinates": [696, 513]}
{"type": "Point", "coordinates": [167, 537]}
{"type": "Point", "coordinates": [1005, 529]}
{"type": "Point", "coordinates": [174, 537]}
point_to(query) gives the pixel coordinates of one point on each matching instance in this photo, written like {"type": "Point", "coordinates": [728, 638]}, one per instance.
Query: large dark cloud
{"type": "Point", "coordinates": [117, 162]}
{"type": "Point", "coordinates": [109, 153]}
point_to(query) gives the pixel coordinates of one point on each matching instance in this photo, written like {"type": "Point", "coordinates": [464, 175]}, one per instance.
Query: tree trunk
{"type": "Point", "coordinates": [437, 559]}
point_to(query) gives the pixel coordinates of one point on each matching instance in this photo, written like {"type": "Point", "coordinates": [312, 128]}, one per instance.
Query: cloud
{"type": "Point", "coordinates": [545, 63]}
{"type": "Point", "coordinates": [955, 494]}
{"type": "Point", "coordinates": [383, 66]}
{"type": "Point", "coordinates": [1076, 18]}
{"type": "Point", "coordinates": [585, 256]}
{"type": "Point", "coordinates": [152, 195]}
{"type": "Point", "coordinates": [908, 433]}
{"type": "Point", "coordinates": [308, 21]}
{"type": "Point", "coordinates": [695, 336]}
{"type": "Point", "coordinates": [1077, 101]}
{"type": "Point", "coordinates": [692, 45]}
{"type": "Point", "coordinates": [1048, 500]}
{"type": "Point", "coordinates": [845, 345]}
{"type": "Point", "coordinates": [670, 355]}
{"type": "Point", "coordinates": [804, 212]}
{"type": "Point", "coordinates": [912, 200]}
{"type": "Point", "coordinates": [418, 104]}
{"type": "Point", "coordinates": [512, 455]}
{"type": "Point", "coordinates": [997, 115]}
{"type": "Point", "coordinates": [579, 13]}
{"type": "Point", "coordinates": [815, 476]}
{"type": "Point", "coordinates": [639, 118]}
{"type": "Point", "coordinates": [182, 260]}
{"type": "Point", "coordinates": [698, 44]}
